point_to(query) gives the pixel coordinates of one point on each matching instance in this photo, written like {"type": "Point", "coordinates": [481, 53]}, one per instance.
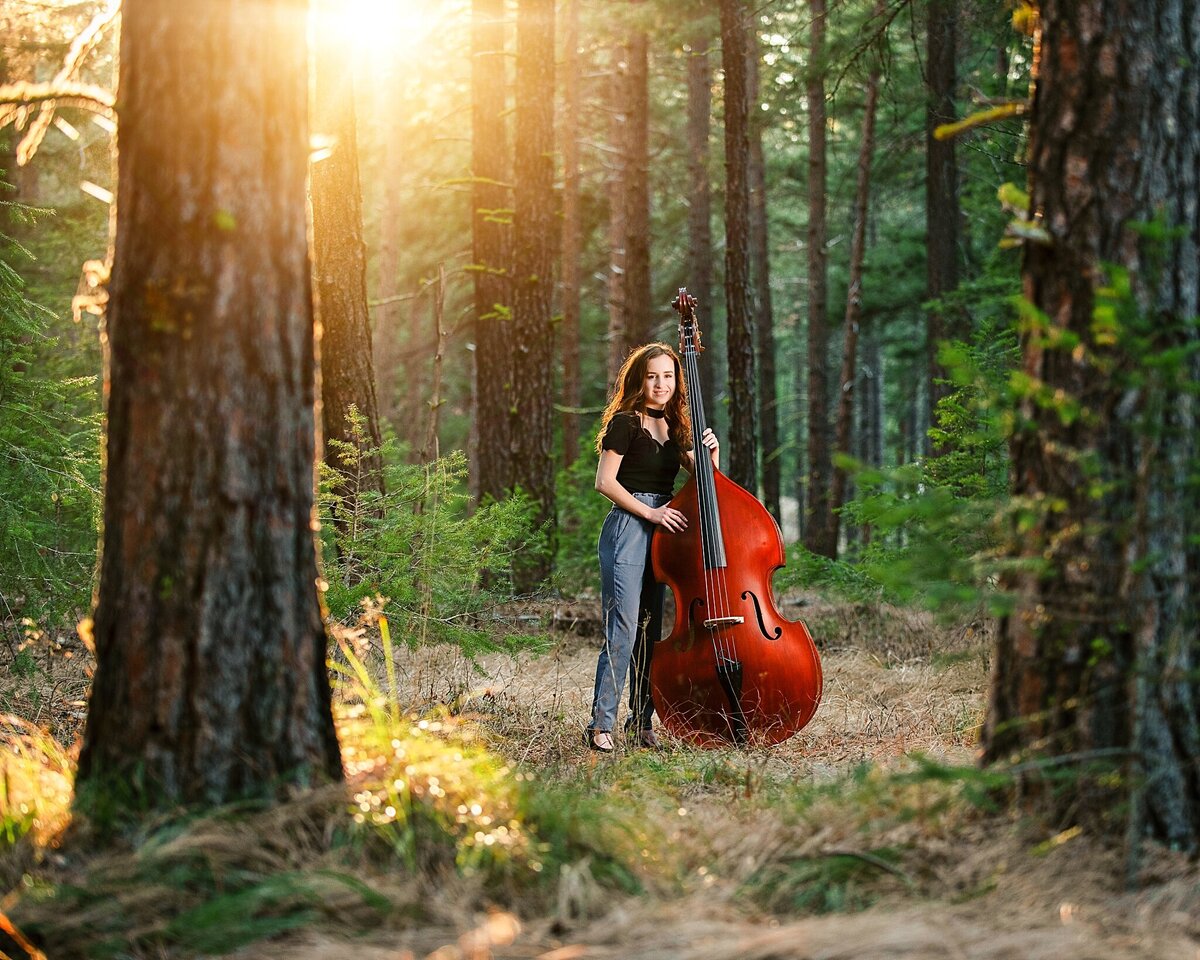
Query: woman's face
{"type": "Point", "coordinates": [659, 386]}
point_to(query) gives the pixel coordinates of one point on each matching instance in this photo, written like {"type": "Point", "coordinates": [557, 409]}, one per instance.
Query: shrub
{"type": "Point", "coordinates": [49, 459]}
{"type": "Point", "coordinates": [442, 567]}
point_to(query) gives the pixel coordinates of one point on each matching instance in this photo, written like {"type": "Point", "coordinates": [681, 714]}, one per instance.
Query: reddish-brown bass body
{"type": "Point", "coordinates": [733, 670]}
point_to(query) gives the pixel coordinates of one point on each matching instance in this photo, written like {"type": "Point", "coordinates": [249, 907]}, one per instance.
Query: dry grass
{"type": "Point", "coordinates": [740, 849]}
{"type": "Point", "coordinates": [882, 699]}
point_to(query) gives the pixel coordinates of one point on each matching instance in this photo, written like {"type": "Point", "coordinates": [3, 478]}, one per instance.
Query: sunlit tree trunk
{"type": "Point", "coordinates": [535, 242]}
{"type": "Point", "coordinates": [854, 293]}
{"type": "Point", "coordinates": [818, 521]}
{"type": "Point", "coordinates": [618, 208]}
{"type": "Point", "coordinates": [639, 307]}
{"type": "Point", "coordinates": [491, 236]}
{"type": "Point", "coordinates": [764, 314]}
{"type": "Point", "coordinates": [572, 235]}
{"type": "Point", "coordinates": [1097, 663]}
{"type": "Point", "coordinates": [340, 263]}
{"type": "Point", "coordinates": [942, 210]}
{"type": "Point", "coordinates": [743, 432]}
{"type": "Point", "coordinates": [400, 345]}
{"type": "Point", "coordinates": [699, 197]}
{"type": "Point", "coordinates": [210, 680]}
{"type": "Point", "coordinates": [390, 336]}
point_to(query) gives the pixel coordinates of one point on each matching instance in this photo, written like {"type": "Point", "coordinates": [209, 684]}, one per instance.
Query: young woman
{"type": "Point", "coordinates": [644, 439]}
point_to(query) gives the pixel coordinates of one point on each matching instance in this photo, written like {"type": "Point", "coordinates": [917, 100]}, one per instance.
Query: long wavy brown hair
{"type": "Point", "coordinates": [628, 394]}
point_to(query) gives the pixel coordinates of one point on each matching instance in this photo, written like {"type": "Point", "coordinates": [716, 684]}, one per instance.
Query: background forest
{"type": "Point", "coordinates": [414, 153]}
{"type": "Point", "coordinates": [947, 288]}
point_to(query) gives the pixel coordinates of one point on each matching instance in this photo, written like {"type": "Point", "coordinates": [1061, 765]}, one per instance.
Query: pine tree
{"type": "Point", "coordinates": [210, 680]}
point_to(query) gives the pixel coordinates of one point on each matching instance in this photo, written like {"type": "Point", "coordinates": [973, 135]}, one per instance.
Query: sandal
{"type": "Point", "coordinates": [598, 740]}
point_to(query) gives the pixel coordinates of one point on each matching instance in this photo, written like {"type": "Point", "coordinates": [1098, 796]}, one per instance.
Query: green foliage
{"type": "Point", "coordinates": [49, 457]}
{"type": "Point", "coordinates": [969, 435]}
{"type": "Point", "coordinates": [827, 883]}
{"type": "Point", "coordinates": [203, 889]}
{"type": "Point", "coordinates": [581, 513]}
{"type": "Point", "coordinates": [254, 912]}
{"type": "Point", "coordinates": [812, 571]}
{"type": "Point", "coordinates": [441, 567]}
{"type": "Point", "coordinates": [934, 533]}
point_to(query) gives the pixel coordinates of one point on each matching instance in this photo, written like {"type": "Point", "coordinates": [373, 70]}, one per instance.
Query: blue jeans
{"type": "Point", "coordinates": [631, 605]}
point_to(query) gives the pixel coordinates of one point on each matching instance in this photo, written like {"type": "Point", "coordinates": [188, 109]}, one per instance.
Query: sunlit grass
{"type": "Point", "coordinates": [36, 778]}
{"type": "Point", "coordinates": [411, 776]}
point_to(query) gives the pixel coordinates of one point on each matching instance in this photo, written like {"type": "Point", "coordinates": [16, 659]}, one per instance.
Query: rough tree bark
{"type": "Point", "coordinates": [739, 313]}
{"type": "Point", "coordinates": [391, 338]}
{"type": "Point", "coordinates": [639, 299]}
{"type": "Point", "coordinates": [340, 261]}
{"type": "Point", "coordinates": [572, 235]}
{"type": "Point", "coordinates": [535, 241]}
{"type": "Point", "coordinates": [1099, 658]}
{"type": "Point", "coordinates": [618, 181]}
{"type": "Point", "coordinates": [491, 254]}
{"type": "Point", "coordinates": [699, 196]}
{"type": "Point", "coordinates": [210, 679]}
{"type": "Point", "coordinates": [858, 254]}
{"type": "Point", "coordinates": [942, 211]}
{"type": "Point", "coordinates": [818, 517]}
{"type": "Point", "coordinates": [764, 318]}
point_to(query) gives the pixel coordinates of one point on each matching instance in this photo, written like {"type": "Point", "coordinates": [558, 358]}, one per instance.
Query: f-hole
{"type": "Point", "coordinates": [762, 626]}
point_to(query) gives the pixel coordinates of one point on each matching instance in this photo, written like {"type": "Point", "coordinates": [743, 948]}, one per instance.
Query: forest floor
{"type": "Point", "coordinates": [865, 836]}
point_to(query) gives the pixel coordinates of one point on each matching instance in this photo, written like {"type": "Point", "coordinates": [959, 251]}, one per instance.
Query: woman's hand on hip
{"type": "Point", "coordinates": [669, 518]}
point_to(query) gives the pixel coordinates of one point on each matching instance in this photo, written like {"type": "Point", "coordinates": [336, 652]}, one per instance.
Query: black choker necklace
{"type": "Point", "coordinates": [656, 414]}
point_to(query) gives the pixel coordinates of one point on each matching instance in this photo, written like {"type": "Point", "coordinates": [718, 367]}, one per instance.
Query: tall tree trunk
{"type": "Point", "coordinates": [535, 236]}
{"type": "Point", "coordinates": [870, 403]}
{"type": "Point", "coordinates": [743, 429]}
{"type": "Point", "coordinates": [699, 196]}
{"type": "Point", "coordinates": [210, 679]}
{"type": "Point", "coordinates": [639, 299]}
{"type": "Point", "coordinates": [491, 233]}
{"type": "Point", "coordinates": [1099, 657]}
{"type": "Point", "coordinates": [818, 521]}
{"type": "Point", "coordinates": [340, 265]}
{"type": "Point", "coordinates": [618, 209]}
{"type": "Point", "coordinates": [572, 235]}
{"type": "Point", "coordinates": [858, 251]}
{"type": "Point", "coordinates": [390, 334]}
{"type": "Point", "coordinates": [942, 211]}
{"type": "Point", "coordinates": [764, 317]}
{"type": "Point", "coordinates": [873, 405]}
{"type": "Point", "coordinates": [400, 345]}
{"type": "Point", "coordinates": [431, 449]}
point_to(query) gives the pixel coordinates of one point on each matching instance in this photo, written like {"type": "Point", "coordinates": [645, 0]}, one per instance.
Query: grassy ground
{"type": "Point", "coordinates": [476, 825]}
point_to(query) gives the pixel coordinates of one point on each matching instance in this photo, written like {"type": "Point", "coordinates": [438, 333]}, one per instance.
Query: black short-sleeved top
{"type": "Point", "coordinates": [647, 466]}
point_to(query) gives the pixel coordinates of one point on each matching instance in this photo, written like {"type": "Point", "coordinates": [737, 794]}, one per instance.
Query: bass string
{"type": "Point", "coordinates": [716, 583]}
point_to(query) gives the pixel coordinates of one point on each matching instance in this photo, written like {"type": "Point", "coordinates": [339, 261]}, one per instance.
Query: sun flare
{"type": "Point", "coordinates": [378, 28]}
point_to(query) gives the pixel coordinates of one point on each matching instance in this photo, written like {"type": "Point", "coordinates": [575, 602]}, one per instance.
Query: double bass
{"type": "Point", "coordinates": [733, 670]}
